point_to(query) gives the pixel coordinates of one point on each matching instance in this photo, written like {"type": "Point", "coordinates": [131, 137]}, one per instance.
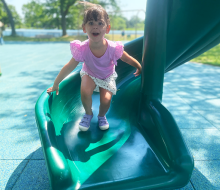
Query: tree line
{"type": "Point", "coordinates": [61, 14]}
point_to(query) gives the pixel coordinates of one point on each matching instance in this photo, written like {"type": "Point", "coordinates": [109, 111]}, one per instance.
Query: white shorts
{"type": "Point", "coordinates": [108, 83]}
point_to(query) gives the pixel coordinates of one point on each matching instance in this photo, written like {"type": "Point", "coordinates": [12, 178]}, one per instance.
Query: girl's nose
{"type": "Point", "coordinates": [95, 25]}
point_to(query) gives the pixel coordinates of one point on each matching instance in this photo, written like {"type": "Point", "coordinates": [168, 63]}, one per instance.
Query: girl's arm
{"type": "Point", "coordinates": [131, 61]}
{"type": "Point", "coordinates": [67, 69]}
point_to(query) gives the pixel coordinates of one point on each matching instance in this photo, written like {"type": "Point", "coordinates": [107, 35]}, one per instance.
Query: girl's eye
{"type": "Point", "coordinates": [90, 23]}
{"type": "Point", "coordinates": [101, 23]}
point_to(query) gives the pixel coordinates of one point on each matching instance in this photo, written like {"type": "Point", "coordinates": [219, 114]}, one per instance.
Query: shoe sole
{"type": "Point", "coordinates": [82, 128]}
{"type": "Point", "coordinates": [104, 127]}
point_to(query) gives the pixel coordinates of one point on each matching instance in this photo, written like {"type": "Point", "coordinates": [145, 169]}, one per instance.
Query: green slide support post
{"type": "Point", "coordinates": [160, 128]}
{"type": "Point", "coordinates": [143, 148]}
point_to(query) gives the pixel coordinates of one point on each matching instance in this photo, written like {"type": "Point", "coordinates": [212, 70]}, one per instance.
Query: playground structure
{"type": "Point", "coordinates": [143, 149]}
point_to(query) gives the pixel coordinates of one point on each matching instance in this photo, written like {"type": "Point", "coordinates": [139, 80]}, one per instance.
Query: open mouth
{"type": "Point", "coordinates": [95, 34]}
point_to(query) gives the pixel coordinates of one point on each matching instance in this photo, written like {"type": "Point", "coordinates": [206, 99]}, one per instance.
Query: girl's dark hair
{"type": "Point", "coordinates": [94, 12]}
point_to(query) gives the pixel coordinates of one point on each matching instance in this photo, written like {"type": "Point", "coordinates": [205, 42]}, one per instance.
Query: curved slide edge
{"type": "Point", "coordinates": [59, 172]}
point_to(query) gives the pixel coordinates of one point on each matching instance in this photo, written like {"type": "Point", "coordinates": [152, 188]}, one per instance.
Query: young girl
{"type": "Point", "coordinates": [98, 71]}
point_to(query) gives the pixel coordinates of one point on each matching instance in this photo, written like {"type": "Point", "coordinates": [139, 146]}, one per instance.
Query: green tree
{"type": "Point", "coordinates": [3, 14]}
{"type": "Point", "coordinates": [52, 10]}
{"type": "Point", "coordinates": [117, 22]}
{"type": "Point", "coordinates": [64, 9]}
{"type": "Point", "coordinates": [9, 17]}
{"type": "Point", "coordinates": [34, 14]}
{"type": "Point", "coordinates": [133, 22]}
{"type": "Point", "coordinates": [74, 18]}
{"type": "Point", "coordinates": [16, 17]}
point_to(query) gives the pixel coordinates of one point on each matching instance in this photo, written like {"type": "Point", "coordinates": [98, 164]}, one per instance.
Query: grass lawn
{"type": "Point", "coordinates": [211, 57]}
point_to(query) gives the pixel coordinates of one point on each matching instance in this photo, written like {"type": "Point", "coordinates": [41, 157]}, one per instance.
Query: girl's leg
{"type": "Point", "coordinates": [87, 87]}
{"type": "Point", "coordinates": [105, 100]}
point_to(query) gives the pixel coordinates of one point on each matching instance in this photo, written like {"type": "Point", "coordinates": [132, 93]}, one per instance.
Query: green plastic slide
{"type": "Point", "coordinates": [143, 148]}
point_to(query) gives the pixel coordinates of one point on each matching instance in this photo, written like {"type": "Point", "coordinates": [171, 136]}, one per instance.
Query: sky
{"type": "Point", "coordinates": [124, 4]}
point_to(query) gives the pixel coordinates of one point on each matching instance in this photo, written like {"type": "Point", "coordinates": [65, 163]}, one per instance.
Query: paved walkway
{"type": "Point", "coordinates": [191, 93]}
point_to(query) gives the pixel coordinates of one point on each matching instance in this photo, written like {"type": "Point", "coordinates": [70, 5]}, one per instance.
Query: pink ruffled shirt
{"type": "Point", "coordinates": [101, 67]}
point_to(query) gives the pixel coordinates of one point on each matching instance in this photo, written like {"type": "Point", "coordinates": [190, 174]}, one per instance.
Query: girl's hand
{"type": "Point", "coordinates": [132, 61]}
{"type": "Point", "coordinates": [138, 72]}
{"type": "Point", "coordinates": [54, 88]}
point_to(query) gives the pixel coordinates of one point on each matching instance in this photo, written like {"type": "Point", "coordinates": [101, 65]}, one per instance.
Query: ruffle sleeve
{"type": "Point", "coordinates": [76, 50]}
{"type": "Point", "coordinates": [119, 49]}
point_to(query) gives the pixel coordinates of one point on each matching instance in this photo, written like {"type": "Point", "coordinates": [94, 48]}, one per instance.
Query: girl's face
{"type": "Point", "coordinates": [96, 30]}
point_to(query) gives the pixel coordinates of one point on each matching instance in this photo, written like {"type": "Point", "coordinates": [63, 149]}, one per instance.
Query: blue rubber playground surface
{"type": "Point", "coordinates": [191, 94]}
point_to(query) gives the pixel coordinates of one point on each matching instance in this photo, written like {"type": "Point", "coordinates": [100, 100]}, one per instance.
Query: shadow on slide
{"type": "Point", "coordinates": [128, 155]}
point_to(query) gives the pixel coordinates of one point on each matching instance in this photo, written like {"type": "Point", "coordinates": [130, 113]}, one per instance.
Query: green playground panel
{"type": "Point", "coordinates": [143, 148]}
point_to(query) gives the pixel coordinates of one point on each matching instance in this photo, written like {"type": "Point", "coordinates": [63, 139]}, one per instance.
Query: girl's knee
{"type": "Point", "coordinates": [87, 86]}
{"type": "Point", "coordinates": [105, 100]}
{"type": "Point", "coordinates": [105, 96]}
{"type": "Point", "coordinates": [86, 92]}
